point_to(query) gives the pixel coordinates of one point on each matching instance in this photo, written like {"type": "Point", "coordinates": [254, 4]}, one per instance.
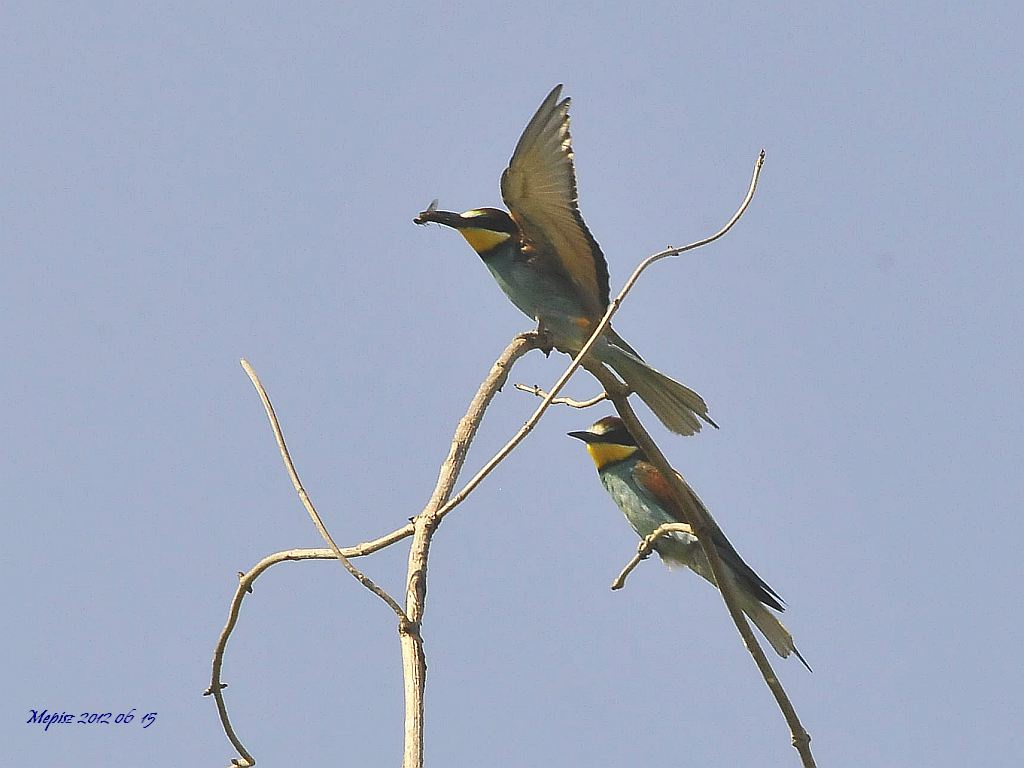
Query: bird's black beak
{"type": "Point", "coordinates": [448, 218]}
{"type": "Point", "coordinates": [586, 437]}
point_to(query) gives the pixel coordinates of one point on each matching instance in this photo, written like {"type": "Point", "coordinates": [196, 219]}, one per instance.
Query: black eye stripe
{"type": "Point", "coordinates": [492, 219]}
{"type": "Point", "coordinates": [618, 436]}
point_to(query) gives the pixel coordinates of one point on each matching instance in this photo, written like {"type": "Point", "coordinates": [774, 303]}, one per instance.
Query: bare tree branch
{"type": "Point", "coordinates": [538, 392]}
{"type": "Point", "coordinates": [308, 504]}
{"type": "Point", "coordinates": [442, 502]}
{"type": "Point", "coordinates": [414, 665]}
{"type": "Point", "coordinates": [245, 582]}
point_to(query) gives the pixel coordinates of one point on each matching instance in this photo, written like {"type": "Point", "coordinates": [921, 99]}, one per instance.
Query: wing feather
{"type": "Point", "coordinates": [539, 188]}
{"type": "Point", "coordinates": [654, 483]}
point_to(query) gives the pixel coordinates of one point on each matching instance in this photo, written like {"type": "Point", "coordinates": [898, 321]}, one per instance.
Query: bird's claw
{"type": "Point", "coordinates": [543, 340]}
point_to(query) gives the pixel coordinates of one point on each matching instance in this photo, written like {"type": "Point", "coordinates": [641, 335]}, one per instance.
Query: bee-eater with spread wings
{"type": "Point", "coordinates": [551, 267]}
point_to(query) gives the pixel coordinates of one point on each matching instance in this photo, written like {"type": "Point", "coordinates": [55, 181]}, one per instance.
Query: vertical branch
{"type": "Point", "coordinates": [414, 665]}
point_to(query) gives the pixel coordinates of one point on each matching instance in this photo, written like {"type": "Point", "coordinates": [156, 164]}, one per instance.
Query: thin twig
{"type": "Point", "coordinates": [308, 504]}
{"type": "Point", "coordinates": [646, 547]}
{"type": "Point", "coordinates": [673, 251]}
{"type": "Point", "coordinates": [538, 392]}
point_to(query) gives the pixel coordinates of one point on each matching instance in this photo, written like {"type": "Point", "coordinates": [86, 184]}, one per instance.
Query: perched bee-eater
{"type": "Point", "coordinates": [642, 493]}
{"type": "Point", "coordinates": [549, 265]}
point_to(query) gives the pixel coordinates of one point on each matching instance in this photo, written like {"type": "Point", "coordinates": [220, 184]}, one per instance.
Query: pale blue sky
{"type": "Point", "coordinates": [181, 186]}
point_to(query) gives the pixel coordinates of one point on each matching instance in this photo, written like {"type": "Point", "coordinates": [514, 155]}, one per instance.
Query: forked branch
{"type": "Point", "coordinates": [443, 501]}
{"type": "Point", "coordinates": [307, 502]}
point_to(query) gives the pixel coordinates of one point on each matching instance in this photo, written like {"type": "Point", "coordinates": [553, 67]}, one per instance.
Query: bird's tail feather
{"type": "Point", "coordinates": [678, 407]}
{"type": "Point", "coordinates": [773, 630]}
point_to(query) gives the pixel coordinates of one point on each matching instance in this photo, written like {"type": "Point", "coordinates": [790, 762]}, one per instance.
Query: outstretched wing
{"type": "Point", "coordinates": [654, 483]}
{"type": "Point", "coordinates": [539, 188]}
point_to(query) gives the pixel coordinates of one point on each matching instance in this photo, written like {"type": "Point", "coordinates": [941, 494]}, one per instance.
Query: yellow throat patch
{"type": "Point", "coordinates": [604, 454]}
{"type": "Point", "coordinates": [483, 240]}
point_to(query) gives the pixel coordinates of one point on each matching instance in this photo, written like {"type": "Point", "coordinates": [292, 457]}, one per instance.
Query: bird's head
{"type": "Point", "coordinates": [608, 441]}
{"type": "Point", "coordinates": [484, 228]}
